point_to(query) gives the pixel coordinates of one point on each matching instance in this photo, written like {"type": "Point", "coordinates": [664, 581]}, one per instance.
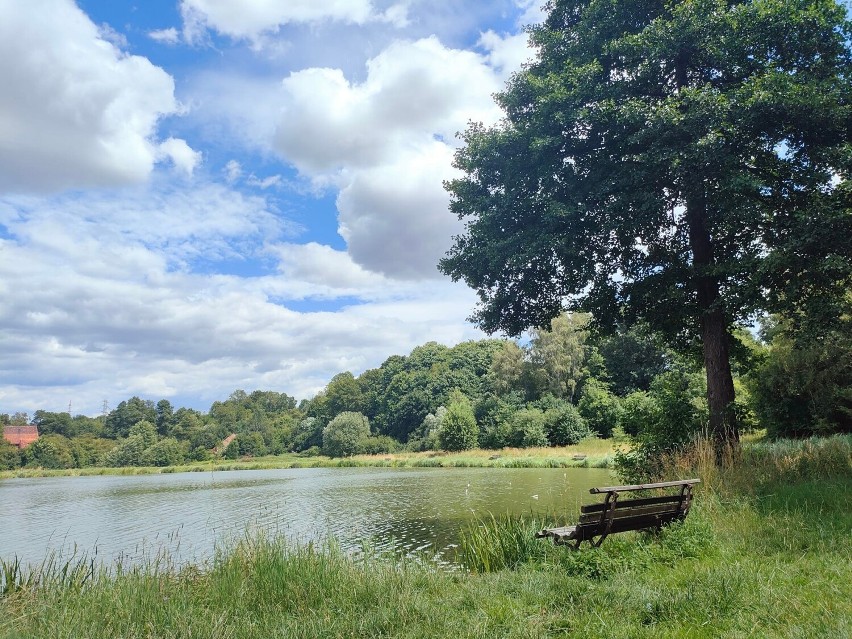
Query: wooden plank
{"type": "Point", "coordinates": [662, 484]}
{"type": "Point", "coordinates": [657, 509]}
{"type": "Point", "coordinates": [630, 503]}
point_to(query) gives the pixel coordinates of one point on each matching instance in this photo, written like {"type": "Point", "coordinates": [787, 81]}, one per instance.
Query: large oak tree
{"type": "Point", "coordinates": [680, 162]}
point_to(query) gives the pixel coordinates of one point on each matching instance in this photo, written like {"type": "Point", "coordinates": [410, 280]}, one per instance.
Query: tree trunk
{"type": "Point", "coordinates": [714, 326]}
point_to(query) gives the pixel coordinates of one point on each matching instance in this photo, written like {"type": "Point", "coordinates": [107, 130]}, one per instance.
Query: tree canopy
{"type": "Point", "coordinates": [684, 163]}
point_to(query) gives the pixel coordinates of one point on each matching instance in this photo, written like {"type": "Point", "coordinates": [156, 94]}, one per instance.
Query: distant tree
{"type": "Point", "coordinates": [600, 408]}
{"type": "Point", "coordinates": [507, 369]}
{"type": "Point", "coordinates": [528, 428]}
{"type": "Point", "coordinates": [49, 423]}
{"type": "Point", "coordinates": [804, 386]}
{"type": "Point", "coordinates": [50, 451]}
{"type": "Point", "coordinates": [345, 434]}
{"type": "Point", "coordinates": [165, 415]}
{"type": "Point", "coordinates": [458, 428]}
{"type": "Point", "coordinates": [10, 456]}
{"type": "Point", "coordinates": [146, 431]}
{"type": "Point", "coordinates": [126, 414]}
{"type": "Point", "coordinates": [166, 452]}
{"type": "Point", "coordinates": [682, 163]}
{"type": "Point", "coordinates": [561, 353]}
{"type": "Point", "coordinates": [564, 425]}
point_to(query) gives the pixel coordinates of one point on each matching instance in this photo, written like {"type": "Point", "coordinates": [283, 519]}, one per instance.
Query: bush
{"type": "Point", "coordinates": [527, 428]}
{"type": "Point", "coordinates": [639, 411]}
{"type": "Point", "coordinates": [127, 453]}
{"type": "Point", "coordinates": [458, 430]}
{"type": "Point", "coordinates": [50, 451]}
{"type": "Point", "coordinates": [600, 408]}
{"type": "Point", "coordinates": [166, 452]}
{"type": "Point", "coordinates": [805, 388]}
{"type": "Point", "coordinates": [345, 434]}
{"type": "Point", "coordinates": [10, 456]}
{"type": "Point", "coordinates": [379, 445]}
{"type": "Point", "coordinates": [251, 444]}
{"type": "Point", "coordinates": [564, 425]}
{"type": "Point", "coordinates": [676, 412]}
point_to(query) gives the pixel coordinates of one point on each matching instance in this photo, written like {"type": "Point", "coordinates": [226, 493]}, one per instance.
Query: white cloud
{"type": "Point", "coordinates": [182, 156]}
{"type": "Point", "coordinates": [386, 143]}
{"type": "Point", "coordinates": [166, 36]}
{"type": "Point", "coordinates": [233, 171]}
{"type": "Point", "coordinates": [251, 18]}
{"type": "Point", "coordinates": [122, 320]}
{"type": "Point", "coordinates": [74, 110]}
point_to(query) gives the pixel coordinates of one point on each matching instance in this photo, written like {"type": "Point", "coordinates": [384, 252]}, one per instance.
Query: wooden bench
{"type": "Point", "coordinates": [614, 516]}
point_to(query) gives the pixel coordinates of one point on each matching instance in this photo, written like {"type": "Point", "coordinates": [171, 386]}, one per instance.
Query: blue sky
{"type": "Point", "coordinates": [203, 195]}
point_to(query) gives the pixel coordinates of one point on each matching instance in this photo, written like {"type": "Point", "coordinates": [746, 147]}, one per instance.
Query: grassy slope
{"type": "Point", "coordinates": [762, 555]}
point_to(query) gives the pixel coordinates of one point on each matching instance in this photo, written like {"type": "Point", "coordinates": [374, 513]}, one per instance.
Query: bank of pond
{"type": "Point", "coordinates": [765, 552]}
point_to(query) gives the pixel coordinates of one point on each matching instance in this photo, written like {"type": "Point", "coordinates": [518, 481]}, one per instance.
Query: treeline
{"type": "Point", "coordinates": [563, 385]}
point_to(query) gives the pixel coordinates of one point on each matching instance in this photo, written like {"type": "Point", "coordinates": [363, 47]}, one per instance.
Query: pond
{"type": "Point", "coordinates": [186, 515]}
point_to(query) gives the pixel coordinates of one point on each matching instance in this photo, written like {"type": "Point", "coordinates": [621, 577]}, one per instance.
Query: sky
{"type": "Point", "coordinates": [199, 196]}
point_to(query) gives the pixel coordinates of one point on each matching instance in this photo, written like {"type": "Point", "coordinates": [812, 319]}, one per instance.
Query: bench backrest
{"type": "Point", "coordinates": [615, 515]}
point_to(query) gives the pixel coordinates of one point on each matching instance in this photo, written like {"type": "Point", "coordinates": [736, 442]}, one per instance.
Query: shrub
{"type": "Point", "coordinates": [166, 452]}
{"type": "Point", "coordinates": [805, 388]}
{"type": "Point", "coordinates": [458, 430]}
{"type": "Point", "coordinates": [10, 456]}
{"type": "Point", "coordinates": [527, 428]}
{"type": "Point", "coordinates": [50, 451]}
{"type": "Point", "coordinates": [639, 411]}
{"type": "Point", "coordinates": [600, 408]}
{"type": "Point", "coordinates": [345, 434]}
{"type": "Point", "coordinates": [564, 425]}
{"type": "Point", "coordinates": [379, 445]}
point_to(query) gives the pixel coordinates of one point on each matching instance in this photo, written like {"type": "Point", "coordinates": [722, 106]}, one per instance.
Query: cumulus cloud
{"type": "Point", "coordinates": [75, 110]}
{"type": "Point", "coordinates": [124, 320]}
{"type": "Point", "coordinates": [386, 143]}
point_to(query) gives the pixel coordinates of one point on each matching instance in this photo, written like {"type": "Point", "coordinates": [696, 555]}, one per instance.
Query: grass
{"type": "Point", "coordinates": [590, 453]}
{"type": "Point", "coordinates": [764, 553]}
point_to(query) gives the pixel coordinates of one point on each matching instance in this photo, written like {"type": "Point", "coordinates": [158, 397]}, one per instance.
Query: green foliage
{"type": "Point", "coordinates": [146, 431]}
{"type": "Point", "coordinates": [600, 408]}
{"type": "Point", "coordinates": [379, 445]}
{"type": "Point", "coordinates": [307, 433]}
{"type": "Point", "coordinates": [561, 354]}
{"type": "Point", "coordinates": [639, 412]}
{"type": "Point", "coordinates": [119, 421]}
{"type": "Point", "coordinates": [565, 426]}
{"type": "Point", "coordinates": [632, 359]}
{"type": "Point", "coordinates": [88, 450]}
{"type": "Point", "coordinates": [345, 434]}
{"type": "Point", "coordinates": [50, 451]}
{"type": "Point", "coordinates": [126, 453]}
{"type": "Point", "coordinates": [528, 429]}
{"type": "Point", "coordinates": [10, 456]}
{"type": "Point", "coordinates": [804, 386]}
{"type": "Point", "coordinates": [251, 444]}
{"type": "Point", "coordinates": [671, 416]}
{"type": "Point", "coordinates": [458, 428]}
{"type": "Point", "coordinates": [166, 452]}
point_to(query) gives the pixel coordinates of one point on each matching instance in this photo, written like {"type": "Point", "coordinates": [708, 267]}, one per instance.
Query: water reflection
{"type": "Point", "coordinates": [187, 515]}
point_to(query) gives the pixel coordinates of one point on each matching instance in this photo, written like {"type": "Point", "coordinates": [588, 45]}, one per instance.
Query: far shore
{"type": "Point", "coordinates": [590, 453]}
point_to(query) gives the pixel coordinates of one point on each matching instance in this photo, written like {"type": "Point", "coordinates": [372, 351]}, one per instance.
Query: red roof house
{"type": "Point", "coordinates": [20, 436]}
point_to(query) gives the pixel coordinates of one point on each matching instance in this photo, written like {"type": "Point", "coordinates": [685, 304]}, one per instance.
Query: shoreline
{"type": "Point", "coordinates": [590, 454]}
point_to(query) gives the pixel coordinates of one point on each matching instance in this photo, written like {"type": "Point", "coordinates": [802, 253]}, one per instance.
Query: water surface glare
{"type": "Point", "coordinates": [130, 518]}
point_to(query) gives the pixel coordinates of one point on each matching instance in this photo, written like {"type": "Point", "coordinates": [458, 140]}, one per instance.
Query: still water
{"type": "Point", "coordinates": [187, 515]}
